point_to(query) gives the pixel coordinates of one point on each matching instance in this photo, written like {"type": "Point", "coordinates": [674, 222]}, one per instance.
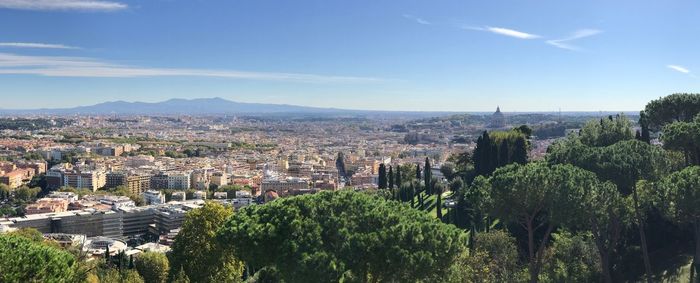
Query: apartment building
{"type": "Point", "coordinates": [179, 180]}
{"type": "Point", "coordinates": [136, 183]}
{"type": "Point", "coordinates": [91, 180]}
{"type": "Point", "coordinates": [284, 186]}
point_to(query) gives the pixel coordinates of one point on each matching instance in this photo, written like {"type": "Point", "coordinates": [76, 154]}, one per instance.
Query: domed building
{"type": "Point", "coordinates": [498, 120]}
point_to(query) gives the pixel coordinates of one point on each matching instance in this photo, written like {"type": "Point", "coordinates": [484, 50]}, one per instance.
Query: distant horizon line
{"type": "Point", "coordinates": [320, 107]}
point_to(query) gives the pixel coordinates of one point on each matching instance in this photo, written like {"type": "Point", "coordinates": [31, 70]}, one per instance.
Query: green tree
{"type": "Point", "coordinates": [25, 260]}
{"type": "Point", "coordinates": [606, 215]}
{"type": "Point", "coordinates": [418, 172]}
{"type": "Point", "coordinates": [111, 275]}
{"type": "Point", "coordinates": [624, 163]}
{"type": "Point", "coordinates": [196, 250]}
{"type": "Point", "coordinates": [473, 204]}
{"type": "Point", "coordinates": [181, 277]}
{"type": "Point", "coordinates": [494, 259]}
{"type": "Point", "coordinates": [681, 202]}
{"type": "Point", "coordinates": [439, 188]}
{"type": "Point", "coordinates": [537, 196]}
{"type": "Point", "coordinates": [334, 236]}
{"type": "Point", "coordinates": [520, 155]}
{"type": "Point", "coordinates": [644, 134]}
{"type": "Point", "coordinates": [391, 177]}
{"type": "Point", "coordinates": [382, 180]}
{"type": "Point", "coordinates": [153, 267]}
{"type": "Point", "coordinates": [684, 137]}
{"type": "Point", "coordinates": [448, 170]}
{"type": "Point", "coordinates": [398, 180]}
{"type": "Point", "coordinates": [572, 258]}
{"type": "Point", "coordinates": [678, 107]}
{"type": "Point", "coordinates": [607, 131]}
{"type": "Point", "coordinates": [427, 176]}
{"type": "Point", "coordinates": [29, 233]}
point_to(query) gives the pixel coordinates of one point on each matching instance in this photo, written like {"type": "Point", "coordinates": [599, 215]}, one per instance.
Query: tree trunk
{"type": "Point", "coordinates": [604, 257]}
{"type": "Point", "coordinates": [606, 269]}
{"type": "Point", "coordinates": [531, 252]}
{"type": "Point", "coordinates": [642, 235]}
{"type": "Point", "coordinates": [695, 268]}
{"type": "Point", "coordinates": [540, 250]}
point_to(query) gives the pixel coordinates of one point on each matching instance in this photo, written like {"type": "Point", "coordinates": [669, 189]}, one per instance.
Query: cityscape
{"type": "Point", "coordinates": [266, 141]}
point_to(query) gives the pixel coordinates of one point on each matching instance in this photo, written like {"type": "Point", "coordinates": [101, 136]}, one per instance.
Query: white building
{"type": "Point", "coordinates": [154, 197]}
{"type": "Point", "coordinates": [178, 180]}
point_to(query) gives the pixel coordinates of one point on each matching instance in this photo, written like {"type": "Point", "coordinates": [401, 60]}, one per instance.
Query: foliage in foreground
{"type": "Point", "coordinates": [343, 236]}
{"type": "Point", "coordinates": [25, 260]}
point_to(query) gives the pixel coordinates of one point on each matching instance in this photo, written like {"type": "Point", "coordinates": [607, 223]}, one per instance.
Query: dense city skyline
{"type": "Point", "coordinates": [361, 55]}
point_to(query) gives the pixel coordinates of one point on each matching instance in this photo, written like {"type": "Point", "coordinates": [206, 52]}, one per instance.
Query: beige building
{"type": "Point", "coordinates": [219, 179]}
{"type": "Point", "coordinates": [136, 183]}
{"type": "Point", "coordinates": [91, 180]}
{"type": "Point", "coordinates": [47, 205]}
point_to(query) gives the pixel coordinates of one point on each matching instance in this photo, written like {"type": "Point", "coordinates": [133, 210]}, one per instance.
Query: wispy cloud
{"type": "Point", "coordinates": [79, 5]}
{"type": "Point", "coordinates": [563, 42]}
{"type": "Point", "coordinates": [416, 19]}
{"type": "Point", "coordinates": [505, 31]}
{"type": "Point", "coordinates": [678, 68]}
{"type": "Point", "coordinates": [36, 45]}
{"type": "Point", "coordinates": [56, 66]}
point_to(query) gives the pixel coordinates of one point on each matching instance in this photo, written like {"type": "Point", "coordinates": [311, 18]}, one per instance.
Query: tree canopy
{"type": "Point", "coordinates": [25, 260]}
{"type": "Point", "coordinates": [678, 107]}
{"type": "Point", "coordinates": [334, 236]}
{"type": "Point", "coordinates": [198, 253]}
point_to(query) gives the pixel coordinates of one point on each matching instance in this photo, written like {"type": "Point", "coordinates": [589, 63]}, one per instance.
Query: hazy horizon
{"type": "Point", "coordinates": [331, 107]}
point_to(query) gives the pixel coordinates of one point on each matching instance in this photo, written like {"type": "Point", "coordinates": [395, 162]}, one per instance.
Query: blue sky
{"type": "Point", "coordinates": [360, 54]}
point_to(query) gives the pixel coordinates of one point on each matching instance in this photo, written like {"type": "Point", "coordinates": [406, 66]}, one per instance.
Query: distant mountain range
{"type": "Point", "coordinates": [220, 106]}
{"type": "Point", "coordinates": [200, 106]}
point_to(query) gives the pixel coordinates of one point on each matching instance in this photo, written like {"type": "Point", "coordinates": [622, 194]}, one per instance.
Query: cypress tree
{"type": "Point", "coordinates": [519, 151]}
{"type": "Point", "coordinates": [427, 176]}
{"type": "Point", "coordinates": [477, 156]}
{"type": "Point", "coordinates": [418, 177]}
{"type": "Point", "coordinates": [492, 158]}
{"type": "Point", "coordinates": [108, 257]}
{"type": "Point", "coordinates": [391, 177]}
{"type": "Point", "coordinates": [382, 176]}
{"type": "Point", "coordinates": [485, 155]}
{"type": "Point", "coordinates": [413, 194]}
{"type": "Point", "coordinates": [503, 158]}
{"type": "Point", "coordinates": [398, 176]}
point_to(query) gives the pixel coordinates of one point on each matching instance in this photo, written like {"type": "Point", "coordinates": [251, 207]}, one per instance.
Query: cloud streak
{"type": "Point", "coordinates": [63, 5]}
{"type": "Point", "coordinates": [417, 19]}
{"type": "Point", "coordinates": [563, 43]}
{"type": "Point", "coordinates": [36, 45]}
{"type": "Point", "coordinates": [506, 32]}
{"type": "Point", "coordinates": [678, 69]}
{"type": "Point", "coordinates": [56, 66]}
